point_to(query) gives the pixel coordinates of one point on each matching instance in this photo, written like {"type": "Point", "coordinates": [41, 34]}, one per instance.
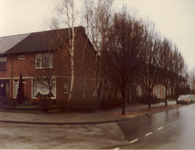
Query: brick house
{"type": "Point", "coordinates": [45, 54]}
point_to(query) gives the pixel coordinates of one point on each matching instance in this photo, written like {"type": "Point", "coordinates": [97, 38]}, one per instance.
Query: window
{"type": "Point", "coordinates": [21, 57]}
{"type": "Point", "coordinates": [41, 87]}
{"type": "Point", "coordinates": [157, 91]}
{"type": "Point", "coordinates": [16, 86]}
{"type": "Point", "coordinates": [169, 91]}
{"type": "Point", "coordinates": [43, 61]}
{"type": "Point", "coordinates": [3, 64]}
{"type": "Point", "coordinates": [65, 88]}
{"type": "Point", "coordinates": [139, 91]}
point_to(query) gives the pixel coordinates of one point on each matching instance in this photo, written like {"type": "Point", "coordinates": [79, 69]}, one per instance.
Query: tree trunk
{"type": "Point", "coordinates": [50, 102]}
{"type": "Point", "coordinates": [165, 96]}
{"type": "Point", "coordinates": [72, 78]}
{"type": "Point", "coordinates": [98, 79]}
{"type": "Point", "coordinates": [149, 100]}
{"type": "Point", "coordinates": [123, 96]}
{"type": "Point", "coordinates": [72, 59]}
{"type": "Point", "coordinates": [84, 85]}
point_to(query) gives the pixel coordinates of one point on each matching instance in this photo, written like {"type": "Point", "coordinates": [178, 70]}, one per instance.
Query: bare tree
{"type": "Point", "coordinates": [120, 55]}
{"type": "Point", "coordinates": [192, 80]}
{"type": "Point", "coordinates": [149, 72]}
{"type": "Point", "coordinates": [179, 71]}
{"type": "Point", "coordinates": [65, 17]}
{"type": "Point", "coordinates": [169, 60]}
{"type": "Point", "coordinates": [97, 15]}
{"type": "Point", "coordinates": [45, 70]}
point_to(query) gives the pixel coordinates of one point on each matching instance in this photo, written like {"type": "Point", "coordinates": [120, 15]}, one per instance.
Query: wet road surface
{"type": "Point", "coordinates": [26, 136]}
{"type": "Point", "coordinates": [173, 129]}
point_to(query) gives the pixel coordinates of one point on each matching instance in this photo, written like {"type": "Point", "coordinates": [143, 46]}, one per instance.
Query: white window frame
{"type": "Point", "coordinates": [32, 89]}
{"type": "Point", "coordinates": [40, 57]}
{"type": "Point", "coordinates": [15, 91]}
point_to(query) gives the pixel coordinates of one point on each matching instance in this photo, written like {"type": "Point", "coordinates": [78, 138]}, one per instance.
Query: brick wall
{"type": "Point", "coordinates": [84, 69]}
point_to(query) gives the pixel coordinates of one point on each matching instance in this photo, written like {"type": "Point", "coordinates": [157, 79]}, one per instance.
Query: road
{"type": "Point", "coordinates": [24, 136]}
{"type": "Point", "coordinates": [173, 129]}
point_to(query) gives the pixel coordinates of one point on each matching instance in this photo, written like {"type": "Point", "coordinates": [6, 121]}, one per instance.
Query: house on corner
{"type": "Point", "coordinates": [44, 56]}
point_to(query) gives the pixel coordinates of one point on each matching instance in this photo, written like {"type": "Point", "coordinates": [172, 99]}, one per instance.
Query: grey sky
{"type": "Point", "coordinates": [174, 19]}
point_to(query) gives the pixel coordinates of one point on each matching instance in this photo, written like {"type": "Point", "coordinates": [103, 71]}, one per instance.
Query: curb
{"type": "Point", "coordinates": [61, 123]}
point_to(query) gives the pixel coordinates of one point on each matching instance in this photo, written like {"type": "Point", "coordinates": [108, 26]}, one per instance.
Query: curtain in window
{"type": "Point", "coordinates": [15, 89]}
{"type": "Point", "coordinates": [40, 87]}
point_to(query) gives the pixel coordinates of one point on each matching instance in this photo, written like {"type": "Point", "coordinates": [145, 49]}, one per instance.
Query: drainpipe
{"type": "Point", "coordinates": [10, 77]}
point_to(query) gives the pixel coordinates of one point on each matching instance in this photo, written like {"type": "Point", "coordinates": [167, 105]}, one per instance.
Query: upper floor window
{"type": "Point", "coordinates": [43, 61]}
{"type": "Point", "coordinates": [3, 64]}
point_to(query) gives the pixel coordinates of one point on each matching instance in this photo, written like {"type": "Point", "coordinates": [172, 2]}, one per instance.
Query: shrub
{"type": "Point", "coordinates": [35, 101]}
{"type": "Point", "coordinates": [144, 99]}
{"type": "Point", "coordinates": [25, 102]}
{"type": "Point", "coordinates": [106, 103]}
{"type": "Point", "coordinates": [117, 102]}
{"type": "Point", "coordinates": [14, 102]}
{"type": "Point", "coordinates": [82, 104]}
{"type": "Point", "coordinates": [6, 101]}
{"type": "Point", "coordinates": [62, 102]}
{"type": "Point", "coordinates": [44, 102]}
{"type": "Point", "coordinates": [20, 95]}
{"type": "Point", "coordinates": [110, 103]}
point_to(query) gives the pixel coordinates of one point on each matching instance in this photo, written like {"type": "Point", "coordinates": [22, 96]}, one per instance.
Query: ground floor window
{"type": "Point", "coordinates": [169, 91]}
{"type": "Point", "coordinates": [157, 91]}
{"type": "Point", "coordinates": [139, 91]}
{"type": "Point", "coordinates": [41, 87]}
{"type": "Point", "coordinates": [16, 86]}
{"type": "Point", "coordinates": [65, 88]}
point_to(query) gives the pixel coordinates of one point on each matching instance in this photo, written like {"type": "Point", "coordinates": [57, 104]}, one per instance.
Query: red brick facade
{"type": "Point", "coordinates": [25, 63]}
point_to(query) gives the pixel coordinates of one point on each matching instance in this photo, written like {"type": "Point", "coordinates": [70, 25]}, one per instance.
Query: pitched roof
{"type": "Point", "coordinates": [8, 42]}
{"type": "Point", "coordinates": [34, 42]}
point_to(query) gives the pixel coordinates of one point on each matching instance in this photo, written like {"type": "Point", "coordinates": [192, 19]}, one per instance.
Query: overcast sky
{"type": "Point", "coordinates": [174, 19]}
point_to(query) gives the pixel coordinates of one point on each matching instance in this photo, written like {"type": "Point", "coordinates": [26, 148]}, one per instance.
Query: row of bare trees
{"type": "Point", "coordinates": [131, 50]}
{"type": "Point", "coordinates": [128, 50]}
{"type": "Point", "coordinates": [192, 80]}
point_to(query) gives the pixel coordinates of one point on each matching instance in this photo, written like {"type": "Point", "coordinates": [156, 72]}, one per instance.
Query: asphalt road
{"type": "Point", "coordinates": [173, 129]}
{"type": "Point", "coordinates": [24, 136]}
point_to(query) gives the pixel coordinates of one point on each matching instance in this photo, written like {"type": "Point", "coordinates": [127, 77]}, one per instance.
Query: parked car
{"type": "Point", "coordinates": [183, 99]}
{"type": "Point", "coordinates": [192, 98]}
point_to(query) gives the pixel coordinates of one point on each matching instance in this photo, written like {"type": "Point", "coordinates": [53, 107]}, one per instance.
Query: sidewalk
{"type": "Point", "coordinates": [98, 116]}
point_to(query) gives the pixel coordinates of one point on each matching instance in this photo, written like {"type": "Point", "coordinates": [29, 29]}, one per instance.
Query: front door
{"type": "Point", "coordinates": [2, 88]}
